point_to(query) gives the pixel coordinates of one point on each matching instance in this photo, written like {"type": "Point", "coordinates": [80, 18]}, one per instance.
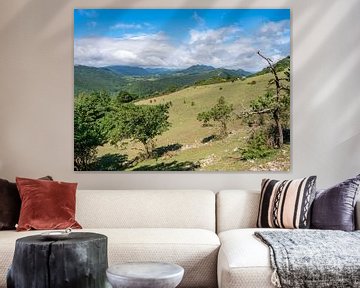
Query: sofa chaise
{"type": "Point", "coordinates": [243, 261]}
{"type": "Point", "coordinates": [177, 226]}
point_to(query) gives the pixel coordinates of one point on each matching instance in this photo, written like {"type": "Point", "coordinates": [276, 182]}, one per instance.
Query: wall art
{"type": "Point", "coordinates": [182, 89]}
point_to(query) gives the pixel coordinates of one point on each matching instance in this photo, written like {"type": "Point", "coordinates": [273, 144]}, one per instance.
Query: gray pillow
{"type": "Point", "coordinates": [334, 208]}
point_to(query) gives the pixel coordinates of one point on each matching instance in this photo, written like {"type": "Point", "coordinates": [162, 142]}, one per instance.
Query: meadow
{"type": "Point", "coordinates": [187, 145]}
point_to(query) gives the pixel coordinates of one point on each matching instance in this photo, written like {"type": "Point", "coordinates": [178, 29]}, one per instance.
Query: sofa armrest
{"type": "Point", "coordinates": [357, 215]}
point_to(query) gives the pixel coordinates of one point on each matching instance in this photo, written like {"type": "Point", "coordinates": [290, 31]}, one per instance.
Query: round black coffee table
{"type": "Point", "coordinates": [145, 275]}
{"type": "Point", "coordinates": [80, 261]}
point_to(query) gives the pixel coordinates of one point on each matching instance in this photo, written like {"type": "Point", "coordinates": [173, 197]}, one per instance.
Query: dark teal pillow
{"type": "Point", "coordinates": [334, 208]}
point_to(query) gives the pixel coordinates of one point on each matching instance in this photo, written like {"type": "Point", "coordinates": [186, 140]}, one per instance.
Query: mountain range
{"type": "Point", "coordinates": [147, 81]}
{"type": "Point", "coordinates": [144, 82]}
{"type": "Point", "coordinates": [137, 71]}
{"type": "Point", "coordinates": [195, 69]}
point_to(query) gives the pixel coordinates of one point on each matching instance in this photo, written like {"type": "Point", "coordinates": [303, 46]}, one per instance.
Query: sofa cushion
{"type": "Point", "coordinates": [286, 204]}
{"type": "Point", "coordinates": [244, 261]}
{"type": "Point", "coordinates": [10, 204]}
{"type": "Point", "coordinates": [46, 204]}
{"type": "Point", "coordinates": [194, 249]}
{"type": "Point", "coordinates": [334, 208]}
{"type": "Point", "coordinates": [146, 209]}
{"type": "Point", "coordinates": [236, 209]}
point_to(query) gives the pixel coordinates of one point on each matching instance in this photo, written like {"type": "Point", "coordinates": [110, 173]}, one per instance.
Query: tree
{"type": "Point", "coordinates": [220, 113]}
{"type": "Point", "coordinates": [89, 129]}
{"type": "Point", "coordinates": [275, 104]}
{"type": "Point", "coordinates": [125, 97]}
{"type": "Point", "coordinates": [140, 123]}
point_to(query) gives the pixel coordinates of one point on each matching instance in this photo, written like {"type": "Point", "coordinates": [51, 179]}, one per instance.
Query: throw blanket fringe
{"type": "Point", "coordinates": [275, 280]}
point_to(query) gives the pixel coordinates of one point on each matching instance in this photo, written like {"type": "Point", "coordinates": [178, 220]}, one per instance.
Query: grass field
{"type": "Point", "coordinates": [186, 145]}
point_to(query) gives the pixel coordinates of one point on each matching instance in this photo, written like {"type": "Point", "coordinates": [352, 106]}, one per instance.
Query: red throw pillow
{"type": "Point", "coordinates": [10, 204]}
{"type": "Point", "coordinates": [46, 204]}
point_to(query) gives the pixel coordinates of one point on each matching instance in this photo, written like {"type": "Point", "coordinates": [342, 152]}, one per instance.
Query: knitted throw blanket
{"type": "Point", "coordinates": [313, 258]}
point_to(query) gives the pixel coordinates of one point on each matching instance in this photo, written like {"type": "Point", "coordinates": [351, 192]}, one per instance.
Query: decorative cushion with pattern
{"type": "Point", "coordinates": [286, 204]}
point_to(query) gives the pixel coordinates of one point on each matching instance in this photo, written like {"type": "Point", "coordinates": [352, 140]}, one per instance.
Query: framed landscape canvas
{"type": "Point", "coordinates": [182, 89]}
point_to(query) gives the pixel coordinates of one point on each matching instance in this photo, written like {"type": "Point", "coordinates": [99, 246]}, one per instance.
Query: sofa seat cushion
{"type": "Point", "coordinates": [244, 261]}
{"type": "Point", "coordinates": [194, 249]}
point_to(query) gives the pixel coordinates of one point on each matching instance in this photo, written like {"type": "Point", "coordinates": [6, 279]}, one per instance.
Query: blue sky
{"type": "Point", "coordinates": [179, 38]}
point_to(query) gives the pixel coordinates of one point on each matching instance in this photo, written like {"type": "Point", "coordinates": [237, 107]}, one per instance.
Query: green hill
{"type": "Point", "coordinates": [91, 78]}
{"type": "Point", "coordinates": [128, 70]}
{"type": "Point", "coordinates": [148, 82]}
{"type": "Point", "coordinates": [189, 146]}
{"type": "Point", "coordinates": [197, 69]}
{"type": "Point", "coordinates": [281, 65]}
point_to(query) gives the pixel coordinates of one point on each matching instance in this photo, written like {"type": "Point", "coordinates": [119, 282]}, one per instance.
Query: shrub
{"type": "Point", "coordinates": [220, 113]}
{"type": "Point", "coordinates": [125, 97]}
{"type": "Point", "coordinates": [256, 147]}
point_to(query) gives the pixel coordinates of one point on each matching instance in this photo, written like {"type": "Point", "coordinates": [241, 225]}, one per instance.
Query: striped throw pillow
{"type": "Point", "coordinates": [286, 204]}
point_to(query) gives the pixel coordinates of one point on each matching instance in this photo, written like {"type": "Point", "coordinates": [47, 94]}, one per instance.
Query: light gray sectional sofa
{"type": "Point", "coordinates": [143, 225]}
{"type": "Point", "coordinates": [210, 235]}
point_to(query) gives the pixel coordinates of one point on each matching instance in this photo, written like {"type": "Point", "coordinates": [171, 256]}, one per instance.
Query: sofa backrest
{"type": "Point", "coordinates": [146, 209]}
{"type": "Point", "coordinates": [239, 209]}
{"type": "Point", "coordinates": [236, 209]}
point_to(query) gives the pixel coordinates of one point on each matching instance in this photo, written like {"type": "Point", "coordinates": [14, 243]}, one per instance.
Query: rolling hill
{"type": "Point", "coordinates": [128, 70]}
{"type": "Point", "coordinates": [188, 146]}
{"type": "Point", "coordinates": [146, 82]}
{"type": "Point", "coordinates": [196, 69]}
{"type": "Point", "coordinates": [149, 82]}
{"type": "Point", "coordinates": [91, 78]}
{"type": "Point", "coordinates": [281, 65]}
{"type": "Point", "coordinates": [138, 71]}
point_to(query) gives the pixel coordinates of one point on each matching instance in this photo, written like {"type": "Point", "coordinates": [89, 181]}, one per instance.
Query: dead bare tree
{"type": "Point", "coordinates": [279, 140]}
{"type": "Point", "coordinates": [274, 105]}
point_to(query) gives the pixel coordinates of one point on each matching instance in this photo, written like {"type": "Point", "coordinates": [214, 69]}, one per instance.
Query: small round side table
{"type": "Point", "coordinates": [145, 275]}
{"type": "Point", "coordinates": [78, 261]}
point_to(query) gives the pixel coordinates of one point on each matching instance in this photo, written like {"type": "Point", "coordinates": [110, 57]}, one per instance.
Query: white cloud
{"type": "Point", "coordinates": [141, 50]}
{"type": "Point", "coordinates": [200, 21]}
{"type": "Point", "coordinates": [126, 26]}
{"type": "Point", "coordinates": [213, 35]}
{"type": "Point", "coordinates": [225, 47]}
{"type": "Point", "coordinates": [277, 28]}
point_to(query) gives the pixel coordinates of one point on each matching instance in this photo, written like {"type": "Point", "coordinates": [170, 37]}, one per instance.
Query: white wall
{"type": "Point", "coordinates": [36, 94]}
